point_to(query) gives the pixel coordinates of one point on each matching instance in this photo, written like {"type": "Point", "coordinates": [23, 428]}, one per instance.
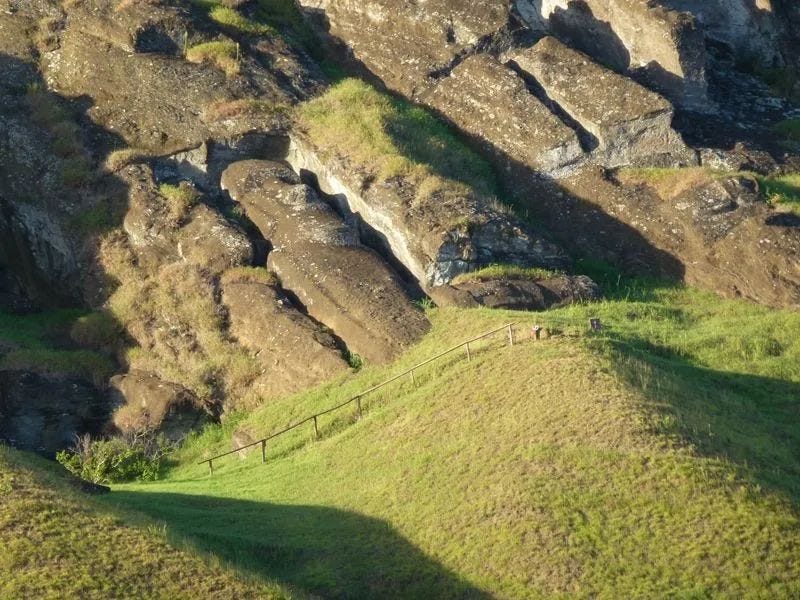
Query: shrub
{"type": "Point", "coordinates": [130, 458]}
{"type": "Point", "coordinates": [75, 172]}
{"type": "Point", "coordinates": [788, 129]}
{"type": "Point", "coordinates": [222, 53]}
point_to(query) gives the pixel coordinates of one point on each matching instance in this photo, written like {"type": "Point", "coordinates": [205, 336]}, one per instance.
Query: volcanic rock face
{"type": "Point", "coordinates": [45, 413]}
{"type": "Point", "coordinates": [629, 122]}
{"type": "Point", "coordinates": [436, 239]}
{"type": "Point", "coordinates": [491, 103]}
{"type": "Point", "coordinates": [671, 55]}
{"type": "Point", "coordinates": [319, 259]}
{"type": "Point", "coordinates": [144, 402]}
{"type": "Point", "coordinates": [293, 350]}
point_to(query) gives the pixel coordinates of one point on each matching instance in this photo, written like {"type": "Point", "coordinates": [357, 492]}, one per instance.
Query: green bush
{"type": "Point", "coordinates": [116, 460]}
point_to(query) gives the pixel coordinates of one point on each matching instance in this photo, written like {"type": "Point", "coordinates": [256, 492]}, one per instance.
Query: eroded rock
{"type": "Point", "coordinates": [632, 124]}
{"type": "Point", "coordinates": [518, 294]}
{"type": "Point", "coordinates": [294, 351]}
{"type": "Point", "coordinates": [146, 403]}
{"type": "Point", "coordinates": [436, 239]}
{"type": "Point", "coordinates": [318, 258]}
{"type": "Point", "coordinates": [44, 413]}
{"type": "Point", "coordinates": [492, 104]}
{"type": "Point", "coordinates": [666, 47]}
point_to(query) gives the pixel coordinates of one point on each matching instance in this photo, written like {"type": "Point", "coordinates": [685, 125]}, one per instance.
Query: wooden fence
{"type": "Point", "coordinates": [357, 399]}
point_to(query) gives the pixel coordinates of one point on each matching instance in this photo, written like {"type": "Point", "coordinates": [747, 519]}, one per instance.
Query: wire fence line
{"type": "Point", "coordinates": [357, 399]}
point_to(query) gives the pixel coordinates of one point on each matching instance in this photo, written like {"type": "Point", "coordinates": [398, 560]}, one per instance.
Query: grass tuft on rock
{"type": "Point", "coordinates": [505, 273]}
{"type": "Point", "coordinates": [222, 53]}
{"type": "Point", "coordinates": [229, 109]}
{"type": "Point", "coordinates": [232, 19]}
{"type": "Point", "coordinates": [391, 138]}
{"type": "Point", "coordinates": [181, 198]}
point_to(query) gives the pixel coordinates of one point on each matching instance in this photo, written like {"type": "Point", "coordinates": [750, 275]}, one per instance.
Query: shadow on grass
{"type": "Point", "coordinates": [325, 551]}
{"type": "Point", "coordinates": [749, 421]}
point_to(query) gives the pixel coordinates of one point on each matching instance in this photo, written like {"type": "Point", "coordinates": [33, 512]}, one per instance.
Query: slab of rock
{"type": "Point", "coordinates": [664, 46]}
{"type": "Point", "coordinates": [295, 352]}
{"type": "Point", "coordinates": [44, 413]}
{"type": "Point", "coordinates": [751, 28]}
{"type": "Point", "coordinates": [404, 43]}
{"type": "Point", "coordinates": [147, 222]}
{"type": "Point", "coordinates": [632, 124]}
{"type": "Point", "coordinates": [436, 239]}
{"type": "Point", "coordinates": [145, 402]}
{"type": "Point", "coordinates": [491, 103]}
{"type": "Point", "coordinates": [210, 240]}
{"type": "Point", "coordinates": [518, 294]}
{"type": "Point", "coordinates": [318, 258]}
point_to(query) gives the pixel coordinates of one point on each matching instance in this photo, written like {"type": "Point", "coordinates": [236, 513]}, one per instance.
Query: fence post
{"type": "Point", "coordinates": [469, 354]}
{"type": "Point", "coordinates": [358, 402]}
{"type": "Point", "coordinates": [210, 468]}
{"type": "Point", "coordinates": [413, 379]}
{"type": "Point", "coordinates": [316, 429]}
{"type": "Point", "coordinates": [263, 451]}
{"type": "Point", "coordinates": [510, 335]}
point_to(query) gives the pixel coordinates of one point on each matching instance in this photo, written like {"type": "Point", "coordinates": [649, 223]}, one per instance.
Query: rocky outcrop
{"type": "Point", "coordinates": [663, 46]}
{"type": "Point", "coordinates": [518, 294]}
{"type": "Point", "coordinates": [751, 28]}
{"type": "Point", "coordinates": [404, 43]}
{"type": "Point", "coordinates": [437, 239]}
{"type": "Point", "coordinates": [44, 413]}
{"type": "Point", "coordinates": [722, 235]}
{"type": "Point", "coordinates": [210, 240]}
{"type": "Point", "coordinates": [143, 402]}
{"type": "Point", "coordinates": [631, 124]}
{"type": "Point", "coordinates": [318, 257]}
{"type": "Point", "coordinates": [294, 352]}
{"type": "Point", "coordinates": [492, 104]}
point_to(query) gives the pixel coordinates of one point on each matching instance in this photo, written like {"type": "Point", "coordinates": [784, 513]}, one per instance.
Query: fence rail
{"type": "Point", "coordinates": [357, 398]}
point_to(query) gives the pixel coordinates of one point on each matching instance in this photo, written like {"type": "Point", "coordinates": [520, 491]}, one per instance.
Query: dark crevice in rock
{"type": "Point", "coordinates": [514, 33]}
{"type": "Point", "coordinates": [368, 236]}
{"type": "Point", "coordinates": [587, 140]}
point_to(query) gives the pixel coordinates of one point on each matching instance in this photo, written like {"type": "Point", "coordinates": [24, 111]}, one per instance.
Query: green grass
{"type": "Point", "coordinates": [782, 190]}
{"type": "Point", "coordinates": [505, 272]}
{"type": "Point", "coordinates": [60, 543]}
{"type": "Point", "coordinates": [48, 343]}
{"type": "Point", "coordinates": [670, 183]}
{"type": "Point", "coordinates": [654, 459]}
{"type": "Point", "coordinates": [222, 53]}
{"type": "Point", "coordinates": [230, 18]}
{"type": "Point", "coordinates": [390, 137]}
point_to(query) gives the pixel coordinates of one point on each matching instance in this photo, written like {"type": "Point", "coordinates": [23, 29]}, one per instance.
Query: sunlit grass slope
{"type": "Point", "coordinates": [58, 542]}
{"type": "Point", "coordinates": [658, 458]}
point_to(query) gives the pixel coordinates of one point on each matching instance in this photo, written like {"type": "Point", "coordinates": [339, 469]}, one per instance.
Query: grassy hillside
{"type": "Point", "coordinates": [61, 543]}
{"type": "Point", "coordinates": [658, 458]}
